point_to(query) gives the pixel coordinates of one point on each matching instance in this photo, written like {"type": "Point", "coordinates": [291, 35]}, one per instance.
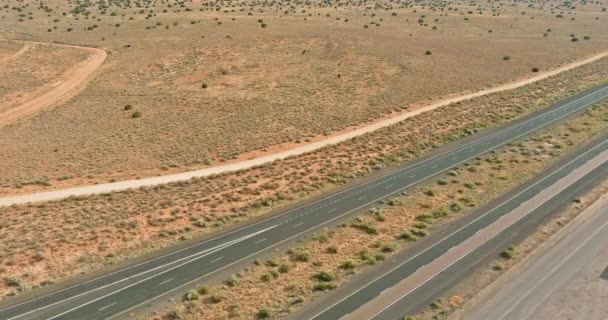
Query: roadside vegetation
{"type": "Point", "coordinates": [335, 255]}
{"type": "Point", "coordinates": [86, 233]}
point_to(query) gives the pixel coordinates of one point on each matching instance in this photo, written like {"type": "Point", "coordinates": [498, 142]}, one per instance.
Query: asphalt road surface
{"type": "Point", "coordinates": [114, 294]}
{"type": "Point", "coordinates": [421, 284]}
{"type": "Point", "coordinates": [538, 279]}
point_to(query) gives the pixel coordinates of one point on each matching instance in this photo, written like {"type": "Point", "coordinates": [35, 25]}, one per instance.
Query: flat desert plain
{"type": "Point", "coordinates": [193, 84]}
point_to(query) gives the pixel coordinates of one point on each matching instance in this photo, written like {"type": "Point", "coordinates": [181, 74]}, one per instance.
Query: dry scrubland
{"type": "Point", "coordinates": [192, 84]}
{"type": "Point", "coordinates": [27, 69]}
{"type": "Point", "coordinates": [280, 285]}
{"type": "Point", "coordinates": [59, 239]}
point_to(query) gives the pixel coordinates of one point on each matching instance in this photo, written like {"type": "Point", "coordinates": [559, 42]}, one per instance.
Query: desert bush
{"type": "Point", "coordinates": [191, 295]}
{"type": "Point", "coordinates": [231, 281]}
{"type": "Point", "coordinates": [347, 265]}
{"type": "Point", "coordinates": [263, 313]}
{"type": "Point", "coordinates": [325, 276]}
{"type": "Point", "coordinates": [407, 235]}
{"type": "Point", "coordinates": [324, 286]}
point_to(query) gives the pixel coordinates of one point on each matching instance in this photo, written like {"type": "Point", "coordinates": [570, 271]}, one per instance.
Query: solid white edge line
{"type": "Point", "coordinates": [415, 165]}
{"type": "Point", "coordinates": [103, 308]}
{"type": "Point", "coordinates": [450, 235]}
{"type": "Point", "coordinates": [472, 250]}
{"type": "Point", "coordinates": [168, 280]}
{"type": "Point", "coordinates": [552, 271]}
{"type": "Point", "coordinates": [204, 252]}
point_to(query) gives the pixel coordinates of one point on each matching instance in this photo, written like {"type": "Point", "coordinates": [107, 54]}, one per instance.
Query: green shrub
{"type": "Point", "coordinates": [231, 281]}
{"type": "Point", "coordinates": [332, 249]}
{"type": "Point", "coordinates": [420, 225]}
{"type": "Point", "coordinates": [407, 235]}
{"type": "Point", "coordinates": [263, 314]}
{"type": "Point", "coordinates": [389, 247]}
{"type": "Point", "coordinates": [426, 218]}
{"type": "Point", "coordinates": [191, 295]}
{"type": "Point", "coordinates": [284, 268]}
{"type": "Point", "coordinates": [347, 265]}
{"type": "Point", "coordinates": [325, 276]}
{"type": "Point", "coordinates": [324, 286]}
{"type": "Point", "coordinates": [419, 232]}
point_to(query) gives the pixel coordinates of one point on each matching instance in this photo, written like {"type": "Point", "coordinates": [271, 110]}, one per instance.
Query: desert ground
{"type": "Point", "coordinates": [57, 240]}
{"type": "Point", "coordinates": [195, 84]}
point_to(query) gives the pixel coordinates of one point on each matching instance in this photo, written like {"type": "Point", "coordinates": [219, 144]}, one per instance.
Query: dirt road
{"type": "Point", "coordinates": [76, 83]}
{"type": "Point", "coordinates": [17, 54]}
{"type": "Point", "coordinates": [69, 85]}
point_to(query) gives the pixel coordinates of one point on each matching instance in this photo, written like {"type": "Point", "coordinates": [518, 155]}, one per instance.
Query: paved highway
{"type": "Point", "coordinates": [115, 293]}
{"type": "Point", "coordinates": [486, 233]}
{"type": "Point", "coordinates": [538, 279]}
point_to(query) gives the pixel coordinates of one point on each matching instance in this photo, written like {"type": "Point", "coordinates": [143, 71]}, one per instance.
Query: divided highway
{"type": "Point", "coordinates": [419, 278]}
{"type": "Point", "coordinates": [551, 274]}
{"type": "Point", "coordinates": [115, 293]}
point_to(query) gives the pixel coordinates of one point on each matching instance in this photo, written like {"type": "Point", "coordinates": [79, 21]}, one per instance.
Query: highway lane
{"type": "Point", "coordinates": [411, 265]}
{"type": "Point", "coordinates": [520, 297]}
{"type": "Point", "coordinates": [127, 288]}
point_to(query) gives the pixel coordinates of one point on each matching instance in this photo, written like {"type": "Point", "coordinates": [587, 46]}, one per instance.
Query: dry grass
{"type": "Point", "coordinates": [90, 232]}
{"type": "Point", "coordinates": [266, 88]}
{"type": "Point", "coordinates": [349, 248]}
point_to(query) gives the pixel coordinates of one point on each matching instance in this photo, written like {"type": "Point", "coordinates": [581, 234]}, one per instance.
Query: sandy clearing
{"type": "Point", "coordinates": [70, 84]}
{"type": "Point", "coordinates": [240, 165]}
{"type": "Point", "coordinates": [21, 51]}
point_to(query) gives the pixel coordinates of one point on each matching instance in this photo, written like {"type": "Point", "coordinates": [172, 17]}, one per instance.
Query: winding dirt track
{"type": "Point", "coordinates": [21, 51]}
{"type": "Point", "coordinates": [69, 85]}
{"type": "Point", "coordinates": [64, 94]}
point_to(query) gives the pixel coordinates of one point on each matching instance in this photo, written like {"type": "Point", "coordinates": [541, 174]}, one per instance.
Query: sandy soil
{"type": "Point", "coordinates": [267, 89]}
{"type": "Point", "coordinates": [16, 55]}
{"type": "Point", "coordinates": [61, 90]}
{"type": "Point", "coordinates": [64, 92]}
{"type": "Point", "coordinates": [114, 226]}
{"type": "Point", "coordinates": [423, 275]}
{"type": "Point", "coordinates": [285, 293]}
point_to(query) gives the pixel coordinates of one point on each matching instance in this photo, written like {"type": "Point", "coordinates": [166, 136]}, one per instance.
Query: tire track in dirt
{"type": "Point", "coordinates": [21, 51]}
{"type": "Point", "coordinates": [69, 85]}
